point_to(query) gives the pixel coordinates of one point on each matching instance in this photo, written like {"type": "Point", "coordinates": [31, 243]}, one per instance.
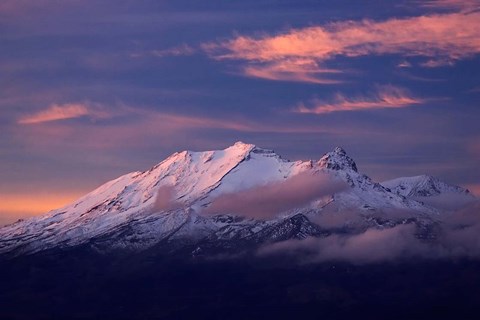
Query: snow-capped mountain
{"type": "Point", "coordinates": [432, 191]}
{"type": "Point", "coordinates": [423, 186]}
{"type": "Point", "coordinates": [166, 206]}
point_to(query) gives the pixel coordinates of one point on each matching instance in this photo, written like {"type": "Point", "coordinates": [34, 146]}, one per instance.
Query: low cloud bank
{"type": "Point", "coordinates": [267, 201]}
{"type": "Point", "coordinates": [447, 202]}
{"type": "Point", "coordinates": [462, 231]}
{"type": "Point", "coordinates": [454, 234]}
{"type": "Point", "coordinates": [458, 236]}
{"type": "Point", "coordinates": [371, 246]}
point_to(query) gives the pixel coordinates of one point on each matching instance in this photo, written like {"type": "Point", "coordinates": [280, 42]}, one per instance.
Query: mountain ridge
{"type": "Point", "coordinates": [126, 213]}
{"type": "Point", "coordinates": [422, 186]}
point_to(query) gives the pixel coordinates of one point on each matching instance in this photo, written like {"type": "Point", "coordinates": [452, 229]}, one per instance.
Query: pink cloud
{"type": "Point", "coordinates": [56, 112]}
{"type": "Point", "coordinates": [404, 64]}
{"type": "Point", "coordinates": [298, 70]}
{"type": "Point", "coordinates": [175, 121]}
{"type": "Point", "coordinates": [148, 130]}
{"type": "Point", "coordinates": [46, 130]}
{"type": "Point", "coordinates": [435, 63]}
{"type": "Point", "coordinates": [386, 97]}
{"type": "Point", "coordinates": [269, 200]}
{"type": "Point", "coordinates": [301, 54]}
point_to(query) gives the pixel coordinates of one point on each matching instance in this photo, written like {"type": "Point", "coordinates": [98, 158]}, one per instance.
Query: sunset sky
{"type": "Point", "coordinates": [90, 90]}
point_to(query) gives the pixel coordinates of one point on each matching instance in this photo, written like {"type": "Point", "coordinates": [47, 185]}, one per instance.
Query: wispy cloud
{"type": "Point", "coordinates": [404, 64]}
{"type": "Point", "coordinates": [179, 122]}
{"type": "Point", "coordinates": [57, 112]}
{"type": "Point", "coordinates": [177, 51]}
{"type": "Point", "coordinates": [386, 97]}
{"type": "Point", "coordinates": [181, 50]}
{"type": "Point", "coordinates": [435, 63]}
{"type": "Point", "coordinates": [298, 70]}
{"type": "Point", "coordinates": [137, 127]}
{"type": "Point", "coordinates": [302, 54]}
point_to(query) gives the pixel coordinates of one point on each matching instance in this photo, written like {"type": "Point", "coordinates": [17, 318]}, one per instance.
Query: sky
{"type": "Point", "coordinates": [91, 90]}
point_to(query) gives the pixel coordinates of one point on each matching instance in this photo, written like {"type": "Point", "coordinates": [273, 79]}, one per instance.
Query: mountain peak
{"type": "Point", "coordinates": [340, 151]}
{"type": "Point", "coordinates": [423, 186]}
{"type": "Point", "coordinates": [242, 145]}
{"type": "Point", "coordinates": [143, 209]}
{"type": "Point", "coordinates": [338, 160]}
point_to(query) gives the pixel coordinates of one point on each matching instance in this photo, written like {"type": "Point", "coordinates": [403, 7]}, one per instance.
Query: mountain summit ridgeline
{"type": "Point", "coordinates": [233, 200]}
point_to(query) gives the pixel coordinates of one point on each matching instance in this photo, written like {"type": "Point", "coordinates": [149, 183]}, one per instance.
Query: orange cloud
{"type": "Point", "coordinates": [170, 122]}
{"type": "Point", "coordinates": [58, 112]}
{"type": "Point", "coordinates": [300, 54]}
{"type": "Point", "coordinates": [387, 97]}
{"type": "Point", "coordinates": [300, 70]}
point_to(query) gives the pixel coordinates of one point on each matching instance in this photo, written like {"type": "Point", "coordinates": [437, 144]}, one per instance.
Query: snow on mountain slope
{"type": "Point", "coordinates": [130, 197]}
{"type": "Point", "coordinates": [125, 213]}
{"type": "Point", "coordinates": [431, 191]}
{"type": "Point", "coordinates": [364, 193]}
{"type": "Point", "coordinates": [422, 186]}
